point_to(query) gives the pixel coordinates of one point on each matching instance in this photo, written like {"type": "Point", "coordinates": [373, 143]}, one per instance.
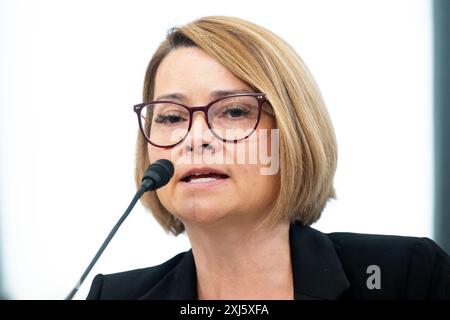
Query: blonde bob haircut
{"type": "Point", "coordinates": [308, 150]}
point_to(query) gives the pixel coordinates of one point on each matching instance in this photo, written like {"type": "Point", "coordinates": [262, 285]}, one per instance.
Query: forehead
{"type": "Point", "coordinates": [192, 70]}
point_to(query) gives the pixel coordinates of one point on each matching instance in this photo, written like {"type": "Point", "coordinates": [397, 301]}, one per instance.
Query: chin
{"type": "Point", "coordinates": [206, 214]}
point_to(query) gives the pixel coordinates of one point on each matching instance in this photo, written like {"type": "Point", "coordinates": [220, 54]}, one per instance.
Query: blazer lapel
{"type": "Point", "coordinates": [180, 283]}
{"type": "Point", "coordinates": [317, 270]}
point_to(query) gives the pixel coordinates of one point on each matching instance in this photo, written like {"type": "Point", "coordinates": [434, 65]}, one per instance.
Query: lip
{"type": "Point", "coordinates": [204, 185]}
{"type": "Point", "coordinates": [203, 170]}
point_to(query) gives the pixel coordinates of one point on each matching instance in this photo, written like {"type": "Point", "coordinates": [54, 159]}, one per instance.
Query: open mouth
{"type": "Point", "coordinates": [204, 177]}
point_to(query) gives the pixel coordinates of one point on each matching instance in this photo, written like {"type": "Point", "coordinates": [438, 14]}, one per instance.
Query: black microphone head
{"type": "Point", "coordinates": [158, 174]}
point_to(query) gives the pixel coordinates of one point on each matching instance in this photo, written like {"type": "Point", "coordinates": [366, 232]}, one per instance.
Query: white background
{"type": "Point", "coordinates": [71, 71]}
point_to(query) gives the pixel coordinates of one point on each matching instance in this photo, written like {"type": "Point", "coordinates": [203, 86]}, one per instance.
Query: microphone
{"type": "Point", "coordinates": [157, 175]}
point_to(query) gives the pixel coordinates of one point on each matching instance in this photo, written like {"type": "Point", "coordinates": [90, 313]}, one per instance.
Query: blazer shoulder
{"type": "Point", "coordinates": [390, 247]}
{"type": "Point", "coordinates": [373, 242]}
{"type": "Point", "coordinates": [130, 284]}
{"type": "Point", "coordinates": [409, 267]}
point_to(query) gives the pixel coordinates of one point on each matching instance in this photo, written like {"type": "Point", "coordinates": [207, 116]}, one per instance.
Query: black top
{"type": "Point", "coordinates": [325, 266]}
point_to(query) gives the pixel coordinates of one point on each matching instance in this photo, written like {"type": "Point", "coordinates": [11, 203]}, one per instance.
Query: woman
{"type": "Point", "coordinates": [249, 225]}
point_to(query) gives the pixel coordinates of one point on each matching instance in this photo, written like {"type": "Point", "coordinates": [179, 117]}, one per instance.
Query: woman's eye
{"type": "Point", "coordinates": [169, 119]}
{"type": "Point", "coordinates": [235, 112]}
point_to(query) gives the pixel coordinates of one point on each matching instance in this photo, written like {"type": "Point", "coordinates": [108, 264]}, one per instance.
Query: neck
{"type": "Point", "coordinates": [242, 261]}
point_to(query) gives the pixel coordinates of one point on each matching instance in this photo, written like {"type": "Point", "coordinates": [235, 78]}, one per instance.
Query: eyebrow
{"type": "Point", "coordinates": [216, 94]}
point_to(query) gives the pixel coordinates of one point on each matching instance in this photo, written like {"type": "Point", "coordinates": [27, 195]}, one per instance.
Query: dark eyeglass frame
{"type": "Point", "coordinates": [260, 97]}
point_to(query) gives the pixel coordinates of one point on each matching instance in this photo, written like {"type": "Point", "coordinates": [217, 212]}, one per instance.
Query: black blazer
{"type": "Point", "coordinates": [325, 266]}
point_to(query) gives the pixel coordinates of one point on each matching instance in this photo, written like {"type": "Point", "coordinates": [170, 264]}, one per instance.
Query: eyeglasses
{"type": "Point", "coordinates": [231, 118]}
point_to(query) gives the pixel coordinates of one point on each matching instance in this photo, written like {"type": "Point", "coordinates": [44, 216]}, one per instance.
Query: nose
{"type": "Point", "coordinates": [199, 137]}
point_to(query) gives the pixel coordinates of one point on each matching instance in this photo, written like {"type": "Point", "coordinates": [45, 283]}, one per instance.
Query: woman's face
{"type": "Point", "coordinates": [235, 192]}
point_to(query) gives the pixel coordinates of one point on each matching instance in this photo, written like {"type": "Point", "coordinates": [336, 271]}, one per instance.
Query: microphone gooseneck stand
{"type": "Point", "coordinates": [157, 175]}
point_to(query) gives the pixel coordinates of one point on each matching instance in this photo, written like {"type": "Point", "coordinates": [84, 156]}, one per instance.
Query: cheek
{"type": "Point", "coordinates": [268, 131]}
{"type": "Point", "coordinates": [251, 176]}
{"type": "Point", "coordinates": [256, 190]}
{"type": "Point", "coordinates": [155, 153]}
{"type": "Point", "coordinates": [260, 177]}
